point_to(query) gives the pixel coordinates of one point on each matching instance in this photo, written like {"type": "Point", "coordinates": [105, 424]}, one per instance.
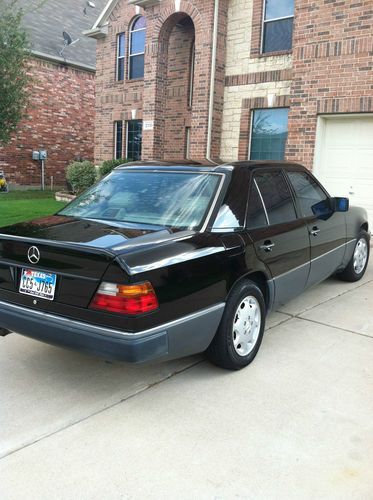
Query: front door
{"type": "Point", "coordinates": [327, 237]}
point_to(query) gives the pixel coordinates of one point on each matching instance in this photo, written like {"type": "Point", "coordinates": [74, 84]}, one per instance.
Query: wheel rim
{"type": "Point", "coordinates": [246, 325]}
{"type": "Point", "coordinates": [360, 255]}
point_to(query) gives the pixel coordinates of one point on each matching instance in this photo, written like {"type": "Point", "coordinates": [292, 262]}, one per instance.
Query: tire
{"type": "Point", "coordinates": [237, 342]}
{"type": "Point", "coordinates": [357, 266]}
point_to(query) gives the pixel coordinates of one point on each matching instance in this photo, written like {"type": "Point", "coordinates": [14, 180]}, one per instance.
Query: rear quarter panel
{"type": "Point", "coordinates": [188, 275]}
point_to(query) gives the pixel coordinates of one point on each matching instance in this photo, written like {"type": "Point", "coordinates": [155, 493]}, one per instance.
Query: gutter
{"type": "Point", "coordinates": [212, 81]}
{"type": "Point", "coordinates": [61, 60]}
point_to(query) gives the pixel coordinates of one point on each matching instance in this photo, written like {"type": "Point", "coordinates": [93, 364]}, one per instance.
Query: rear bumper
{"type": "Point", "coordinates": [188, 335]}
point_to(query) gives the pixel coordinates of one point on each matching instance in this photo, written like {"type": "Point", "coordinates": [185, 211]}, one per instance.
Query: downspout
{"type": "Point", "coordinates": [212, 81]}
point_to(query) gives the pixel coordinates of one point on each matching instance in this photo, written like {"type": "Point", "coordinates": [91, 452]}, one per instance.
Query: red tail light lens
{"type": "Point", "coordinates": [125, 299]}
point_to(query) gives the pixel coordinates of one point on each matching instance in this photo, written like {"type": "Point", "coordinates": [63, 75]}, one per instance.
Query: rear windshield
{"type": "Point", "coordinates": [171, 199]}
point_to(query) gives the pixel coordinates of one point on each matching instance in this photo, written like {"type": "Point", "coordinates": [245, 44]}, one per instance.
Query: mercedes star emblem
{"type": "Point", "coordinates": [33, 255]}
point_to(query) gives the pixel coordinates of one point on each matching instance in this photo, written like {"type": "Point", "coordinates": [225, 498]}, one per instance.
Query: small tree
{"type": "Point", "coordinates": [14, 54]}
{"type": "Point", "coordinates": [81, 175]}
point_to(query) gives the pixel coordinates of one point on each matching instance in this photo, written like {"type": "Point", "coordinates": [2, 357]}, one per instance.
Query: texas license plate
{"type": "Point", "coordinates": [38, 284]}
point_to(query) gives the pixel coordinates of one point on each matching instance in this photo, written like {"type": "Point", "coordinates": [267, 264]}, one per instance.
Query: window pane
{"type": "Point", "coordinates": [134, 140]}
{"type": "Point", "coordinates": [307, 191]}
{"type": "Point", "coordinates": [269, 134]}
{"type": "Point", "coordinates": [139, 24]}
{"type": "Point", "coordinates": [278, 8]}
{"type": "Point", "coordinates": [120, 75]}
{"type": "Point", "coordinates": [276, 196]}
{"type": "Point", "coordinates": [121, 44]}
{"type": "Point", "coordinates": [118, 140]}
{"type": "Point", "coordinates": [255, 214]}
{"type": "Point", "coordinates": [278, 35]}
{"type": "Point", "coordinates": [138, 42]}
{"type": "Point", "coordinates": [137, 66]}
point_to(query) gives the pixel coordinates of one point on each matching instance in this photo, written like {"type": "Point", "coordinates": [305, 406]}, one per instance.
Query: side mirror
{"type": "Point", "coordinates": [325, 209]}
{"type": "Point", "coordinates": [340, 204]}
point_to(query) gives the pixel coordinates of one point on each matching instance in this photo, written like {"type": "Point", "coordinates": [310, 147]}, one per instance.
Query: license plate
{"type": "Point", "coordinates": [38, 284]}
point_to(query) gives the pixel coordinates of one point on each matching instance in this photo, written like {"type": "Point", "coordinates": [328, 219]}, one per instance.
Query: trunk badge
{"type": "Point", "coordinates": [33, 255]}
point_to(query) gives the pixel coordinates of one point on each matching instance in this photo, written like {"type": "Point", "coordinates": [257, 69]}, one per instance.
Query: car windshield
{"type": "Point", "coordinates": [171, 199]}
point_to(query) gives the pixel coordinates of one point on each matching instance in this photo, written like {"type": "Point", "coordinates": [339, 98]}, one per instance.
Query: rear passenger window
{"type": "Point", "coordinates": [276, 196]}
{"type": "Point", "coordinates": [307, 190]}
{"type": "Point", "coordinates": [256, 216]}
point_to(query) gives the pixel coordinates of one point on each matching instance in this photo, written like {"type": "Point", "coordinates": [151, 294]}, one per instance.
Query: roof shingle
{"type": "Point", "coordinates": [46, 22]}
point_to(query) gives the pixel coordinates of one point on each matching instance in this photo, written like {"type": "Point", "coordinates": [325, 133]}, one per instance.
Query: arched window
{"type": "Point", "coordinates": [137, 48]}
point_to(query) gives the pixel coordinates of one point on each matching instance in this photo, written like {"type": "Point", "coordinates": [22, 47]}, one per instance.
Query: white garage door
{"type": "Point", "coordinates": [344, 158]}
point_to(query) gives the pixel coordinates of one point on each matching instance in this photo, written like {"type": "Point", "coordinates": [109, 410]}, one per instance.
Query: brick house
{"type": "Point", "coordinates": [238, 79]}
{"type": "Point", "coordinates": [60, 115]}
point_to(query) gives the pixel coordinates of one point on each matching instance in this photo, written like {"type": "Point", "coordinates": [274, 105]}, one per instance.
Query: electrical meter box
{"type": "Point", "coordinates": [40, 155]}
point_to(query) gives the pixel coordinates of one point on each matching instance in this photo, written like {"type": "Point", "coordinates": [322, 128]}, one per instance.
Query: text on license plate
{"type": "Point", "coordinates": [38, 284]}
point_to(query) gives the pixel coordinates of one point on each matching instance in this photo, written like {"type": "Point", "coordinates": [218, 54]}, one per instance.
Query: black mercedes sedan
{"type": "Point", "coordinates": [160, 261]}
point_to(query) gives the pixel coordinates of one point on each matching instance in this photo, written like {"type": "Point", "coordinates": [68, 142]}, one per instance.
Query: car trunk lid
{"type": "Point", "coordinates": [78, 251]}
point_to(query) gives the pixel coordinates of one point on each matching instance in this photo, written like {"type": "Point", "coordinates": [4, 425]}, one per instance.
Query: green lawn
{"type": "Point", "coordinates": [18, 206]}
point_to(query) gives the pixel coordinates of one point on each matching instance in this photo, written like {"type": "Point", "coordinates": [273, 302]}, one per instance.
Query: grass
{"type": "Point", "coordinates": [19, 206]}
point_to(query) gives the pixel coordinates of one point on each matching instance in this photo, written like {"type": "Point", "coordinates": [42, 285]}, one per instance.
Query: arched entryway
{"type": "Point", "coordinates": [179, 80]}
{"type": "Point", "coordinates": [176, 102]}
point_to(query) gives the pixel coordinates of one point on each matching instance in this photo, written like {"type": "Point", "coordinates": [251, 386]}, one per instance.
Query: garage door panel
{"type": "Point", "coordinates": [345, 159]}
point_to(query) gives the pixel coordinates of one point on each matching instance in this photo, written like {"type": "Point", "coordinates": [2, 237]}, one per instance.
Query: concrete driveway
{"type": "Point", "coordinates": [296, 424]}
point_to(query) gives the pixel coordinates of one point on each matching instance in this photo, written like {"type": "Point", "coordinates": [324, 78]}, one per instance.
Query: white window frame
{"type": "Point", "coordinates": [251, 132]}
{"type": "Point", "coordinates": [252, 113]}
{"type": "Point", "coordinates": [115, 138]}
{"type": "Point", "coordinates": [120, 57]}
{"type": "Point", "coordinates": [130, 46]}
{"type": "Point", "coordinates": [264, 21]}
{"type": "Point", "coordinates": [126, 144]}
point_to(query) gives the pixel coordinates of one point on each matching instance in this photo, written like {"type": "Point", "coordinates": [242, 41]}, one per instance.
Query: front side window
{"type": "Point", "coordinates": [308, 192]}
{"type": "Point", "coordinates": [134, 139]}
{"type": "Point", "coordinates": [137, 48]}
{"type": "Point", "coordinates": [167, 199]}
{"type": "Point", "coordinates": [276, 197]}
{"type": "Point", "coordinates": [118, 139]}
{"type": "Point", "coordinates": [269, 134]}
{"type": "Point", "coordinates": [121, 44]}
{"type": "Point", "coordinates": [278, 25]}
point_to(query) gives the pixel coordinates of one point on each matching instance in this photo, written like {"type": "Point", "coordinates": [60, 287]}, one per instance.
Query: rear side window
{"type": "Point", "coordinates": [276, 197]}
{"type": "Point", "coordinates": [256, 216]}
{"type": "Point", "coordinates": [307, 190]}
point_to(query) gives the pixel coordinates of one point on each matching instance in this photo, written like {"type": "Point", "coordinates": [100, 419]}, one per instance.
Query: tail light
{"type": "Point", "coordinates": [125, 299]}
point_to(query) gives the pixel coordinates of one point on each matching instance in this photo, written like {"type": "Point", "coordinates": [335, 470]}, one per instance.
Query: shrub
{"type": "Point", "coordinates": [81, 175]}
{"type": "Point", "coordinates": [109, 165]}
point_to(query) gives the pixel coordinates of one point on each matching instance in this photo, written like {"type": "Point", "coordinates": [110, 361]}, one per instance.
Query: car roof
{"type": "Point", "coordinates": [188, 165]}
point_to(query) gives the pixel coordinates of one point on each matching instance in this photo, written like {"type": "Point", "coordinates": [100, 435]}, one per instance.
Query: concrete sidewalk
{"type": "Point", "coordinates": [296, 424]}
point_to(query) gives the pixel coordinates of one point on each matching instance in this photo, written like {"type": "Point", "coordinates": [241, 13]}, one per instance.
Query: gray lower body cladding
{"type": "Point", "coordinates": [188, 335]}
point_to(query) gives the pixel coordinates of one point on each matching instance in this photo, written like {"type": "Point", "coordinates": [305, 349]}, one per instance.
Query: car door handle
{"type": "Point", "coordinates": [267, 246]}
{"type": "Point", "coordinates": [315, 231]}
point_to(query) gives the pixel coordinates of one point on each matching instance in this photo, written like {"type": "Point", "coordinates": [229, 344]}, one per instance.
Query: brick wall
{"type": "Point", "coordinates": [162, 97]}
{"type": "Point", "coordinates": [60, 119]}
{"type": "Point", "coordinates": [115, 100]}
{"type": "Point", "coordinates": [332, 67]}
